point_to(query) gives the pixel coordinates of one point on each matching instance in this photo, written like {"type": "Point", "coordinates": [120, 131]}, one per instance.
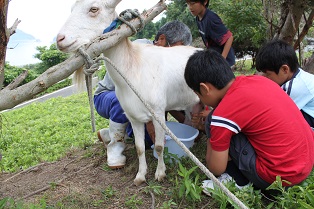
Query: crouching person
{"type": "Point", "coordinates": [255, 131]}
{"type": "Point", "coordinates": [279, 62]}
{"type": "Point", "coordinates": [107, 105]}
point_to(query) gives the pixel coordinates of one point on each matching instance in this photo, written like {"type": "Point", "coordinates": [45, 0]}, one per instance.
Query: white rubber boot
{"type": "Point", "coordinates": [103, 136]}
{"type": "Point", "coordinates": [115, 158]}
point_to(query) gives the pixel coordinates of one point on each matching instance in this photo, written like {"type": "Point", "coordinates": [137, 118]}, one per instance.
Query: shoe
{"type": "Point", "coordinates": [116, 146]}
{"type": "Point", "coordinates": [103, 136]}
{"type": "Point", "coordinates": [224, 178]}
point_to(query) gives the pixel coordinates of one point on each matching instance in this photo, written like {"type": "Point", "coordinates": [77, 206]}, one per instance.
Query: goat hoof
{"type": "Point", "coordinates": [139, 180]}
{"type": "Point", "coordinates": [160, 176]}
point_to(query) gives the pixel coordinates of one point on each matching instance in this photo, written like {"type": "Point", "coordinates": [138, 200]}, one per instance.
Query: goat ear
{"type": "Point", "coordinates": [112, 3]}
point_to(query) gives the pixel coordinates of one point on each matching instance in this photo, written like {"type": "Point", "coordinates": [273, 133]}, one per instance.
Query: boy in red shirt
{"type": "Point", "coordinates": [255, 131]}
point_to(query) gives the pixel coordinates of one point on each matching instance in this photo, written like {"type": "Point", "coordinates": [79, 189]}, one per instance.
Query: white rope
{"type": "Point", "coordinates": [185, 149]}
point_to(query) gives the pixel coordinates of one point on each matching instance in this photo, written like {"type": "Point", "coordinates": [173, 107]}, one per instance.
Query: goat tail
{"type": "Point", "coordinates": [78, 80]}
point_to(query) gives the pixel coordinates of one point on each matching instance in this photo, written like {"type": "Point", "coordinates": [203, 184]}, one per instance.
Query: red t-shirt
{"type": "Point", "coordinates": [260, 109]}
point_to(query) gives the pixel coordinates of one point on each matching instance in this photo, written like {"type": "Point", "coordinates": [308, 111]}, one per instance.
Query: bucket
{"type": "Point", "coordinates": [186, 134]}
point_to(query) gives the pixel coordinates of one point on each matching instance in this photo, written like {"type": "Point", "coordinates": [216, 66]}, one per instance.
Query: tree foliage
{"type": "Point", "coordinates": [149, 32]}
{"type": "Point", "coordinates": [246, 21]}
{"type": "Point", "coordinates": [49, 57]}
{"type": "Point", "coordinates": [11, 72]}
{"type": "Point", "coordinates": [177, 10]}
{"type": "Point", "coordinates": [243, 18]}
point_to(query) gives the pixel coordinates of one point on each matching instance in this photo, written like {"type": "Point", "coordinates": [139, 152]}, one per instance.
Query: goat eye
{"type": "Point", "coordinates": [93, 9]}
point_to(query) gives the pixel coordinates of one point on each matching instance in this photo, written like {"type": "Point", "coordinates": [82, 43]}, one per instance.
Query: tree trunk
{"type": "Point", "coordinates": [269, 11]}
{"type": "Point", "coordinates": [308, 24]}
{"type": "Point", "coordinates": [12, 97]}
{"type": "Point", "coordinates": [291, 14]}
{"type": "Point", "coordinates": [309, 65]}
{"type": "Point", "coordinates": [4, 39]}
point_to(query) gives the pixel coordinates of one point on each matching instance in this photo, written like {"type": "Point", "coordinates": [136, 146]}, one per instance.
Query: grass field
{"type": "Point", "coordinates": [46, 132]}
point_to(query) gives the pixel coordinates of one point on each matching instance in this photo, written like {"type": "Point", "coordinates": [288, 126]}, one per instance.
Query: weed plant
{"type": "Point", "coordinates": [47, 131]}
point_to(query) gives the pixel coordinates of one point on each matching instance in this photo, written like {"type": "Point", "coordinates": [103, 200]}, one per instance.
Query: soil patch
{"type": "Point", "coordinates": [82, 179]}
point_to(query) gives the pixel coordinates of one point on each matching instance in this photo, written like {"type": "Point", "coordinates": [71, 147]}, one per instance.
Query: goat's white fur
{"type": "Point", "coordinates": [156, 72]}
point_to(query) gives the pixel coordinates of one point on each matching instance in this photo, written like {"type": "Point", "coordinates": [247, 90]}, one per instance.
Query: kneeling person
{"type": "Point", "coordinates": [279, 62]}
{"type": "Point", "coordinates": [249, 130]}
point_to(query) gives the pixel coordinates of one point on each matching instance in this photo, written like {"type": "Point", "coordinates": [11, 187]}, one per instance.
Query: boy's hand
{"type": "Point", "coordinates": [198, 119]}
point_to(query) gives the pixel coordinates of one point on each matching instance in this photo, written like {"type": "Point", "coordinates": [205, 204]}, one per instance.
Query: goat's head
{"type": "Point", "coordinates": [88, 19]}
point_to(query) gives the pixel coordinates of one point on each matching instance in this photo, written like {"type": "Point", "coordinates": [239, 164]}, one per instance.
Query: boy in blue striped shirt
{"type": "Point", "coordinates": [278, 62]}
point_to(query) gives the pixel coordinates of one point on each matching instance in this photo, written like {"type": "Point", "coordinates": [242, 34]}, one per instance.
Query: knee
{"type": "Point", "coordinates": [139, 150]}
{"type": "Point", "coordinates": [159, 149]}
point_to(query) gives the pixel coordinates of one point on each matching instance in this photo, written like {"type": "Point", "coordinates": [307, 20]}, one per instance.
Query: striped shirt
{"type": "Point", "coordinates": [301, 90]}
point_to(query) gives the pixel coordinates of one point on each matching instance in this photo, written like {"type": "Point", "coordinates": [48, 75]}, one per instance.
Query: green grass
{"type": "Point", "coordinates": [244, 67]}
{"type": "Point", "coordinates": [45, 131]}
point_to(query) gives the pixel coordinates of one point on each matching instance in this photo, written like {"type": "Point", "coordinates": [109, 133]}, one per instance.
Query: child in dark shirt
{"type": "Point", "coordinates": [214, 33]}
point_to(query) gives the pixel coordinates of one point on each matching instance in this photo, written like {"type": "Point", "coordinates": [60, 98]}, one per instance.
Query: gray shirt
{"type": "Point", "coordinates": [107, 84]}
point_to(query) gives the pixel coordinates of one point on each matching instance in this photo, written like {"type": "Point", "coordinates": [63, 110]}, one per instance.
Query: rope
{"type": "Point", "coordinates": [185, 149]}
{"type": "Point", "coordinates": [92, 68]}
{"type": "Point", "coordinates": [89, 69]}
{"type": "Point", "coordinates": [128, 15]}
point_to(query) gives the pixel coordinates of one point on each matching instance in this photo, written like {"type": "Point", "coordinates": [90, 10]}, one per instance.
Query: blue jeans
{"type": "Point", "coordinates": [108, 106]}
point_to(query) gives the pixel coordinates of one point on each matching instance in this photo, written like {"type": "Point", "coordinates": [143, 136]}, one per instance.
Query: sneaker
{"type": "Point", "coordinates": [207, 185]}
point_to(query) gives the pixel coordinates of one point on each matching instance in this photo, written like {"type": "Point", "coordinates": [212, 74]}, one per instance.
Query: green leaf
{"type": "Point", "coordinates": [305, 205]}
{"type": "Point", "coordinates": [310, 196]}
{"type": "Point", "coordinates": [187, 186]}
{"type": "Point", "coordinates": [192, 170]}
{"type": "Point", "coordinates": [181, 190]}
{"type": "Point", "coordinates": [3, 202]}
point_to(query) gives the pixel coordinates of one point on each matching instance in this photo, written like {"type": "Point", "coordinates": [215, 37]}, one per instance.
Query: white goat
{"type": "Point", "coordinates": [156, 72]}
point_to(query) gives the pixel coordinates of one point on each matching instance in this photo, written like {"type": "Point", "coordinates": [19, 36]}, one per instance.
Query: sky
{"type": "Point", "coordinates": [44, 18]}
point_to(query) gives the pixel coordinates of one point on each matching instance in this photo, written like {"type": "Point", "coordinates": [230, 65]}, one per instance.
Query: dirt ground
{"type": "Point", "coordinates": [82, 180]}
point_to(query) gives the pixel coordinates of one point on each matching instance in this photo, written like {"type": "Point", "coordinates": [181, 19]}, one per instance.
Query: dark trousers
{"type": "Point", "coordinates": [308, 118]}
{"type": "Point", "coordinates": [242, 167]}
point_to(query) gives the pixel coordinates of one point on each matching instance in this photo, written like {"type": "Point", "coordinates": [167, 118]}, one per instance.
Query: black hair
{"type": "Point", "coordinates": [201, 1]}
{"type": "Point", "coordinates": [274, 54]}
{"type": "Point", "coordinates": [207, 66]}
